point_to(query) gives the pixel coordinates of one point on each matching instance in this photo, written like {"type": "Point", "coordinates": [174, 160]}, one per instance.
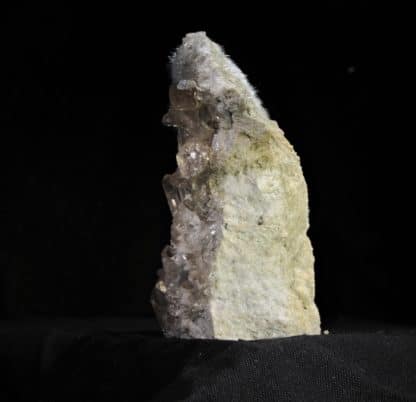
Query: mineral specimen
{"type": "Point", "coordinates": [240, 264]}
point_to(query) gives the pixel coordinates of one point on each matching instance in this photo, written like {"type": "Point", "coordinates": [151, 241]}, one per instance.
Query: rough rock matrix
{"type": "Point", "coordinates": [240, 264]}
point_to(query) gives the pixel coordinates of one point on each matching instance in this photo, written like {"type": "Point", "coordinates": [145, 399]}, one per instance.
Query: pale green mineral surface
{"type": "Point", "coordinates": [240, 264]}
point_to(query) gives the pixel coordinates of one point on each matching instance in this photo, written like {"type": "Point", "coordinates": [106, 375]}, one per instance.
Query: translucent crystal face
{"type": "Point", "coordinates": [203, 123]}
{"type": "Point", "coordinates": [196, 126]}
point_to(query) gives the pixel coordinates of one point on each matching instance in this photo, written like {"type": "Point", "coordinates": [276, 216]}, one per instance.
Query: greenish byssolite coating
{"type": "Point", "coordinates": [240, 263]}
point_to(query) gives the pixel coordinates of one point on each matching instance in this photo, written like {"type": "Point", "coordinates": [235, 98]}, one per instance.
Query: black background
{"type": "Point", "coordinates": [83, 93]}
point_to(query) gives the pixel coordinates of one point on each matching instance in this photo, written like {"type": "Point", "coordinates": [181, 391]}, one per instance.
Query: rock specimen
{"type": "Point", "coordinates": [240, 265]}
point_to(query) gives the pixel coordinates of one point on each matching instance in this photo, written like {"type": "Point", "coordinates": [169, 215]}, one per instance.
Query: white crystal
{"type": "Point", "coordinates": [240, 264]}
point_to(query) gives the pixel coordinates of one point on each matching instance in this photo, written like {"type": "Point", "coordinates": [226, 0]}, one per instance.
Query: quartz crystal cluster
{"type": "Point", "coordinates": [239, 264]}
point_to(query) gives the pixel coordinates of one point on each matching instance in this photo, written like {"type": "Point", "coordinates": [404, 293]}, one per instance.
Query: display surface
{"type": "Point", "coordinates": [126, 360]}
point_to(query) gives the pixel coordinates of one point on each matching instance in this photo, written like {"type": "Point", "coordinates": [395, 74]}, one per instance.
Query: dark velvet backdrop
{"type": "Point", "coordinates": [84, 91]}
